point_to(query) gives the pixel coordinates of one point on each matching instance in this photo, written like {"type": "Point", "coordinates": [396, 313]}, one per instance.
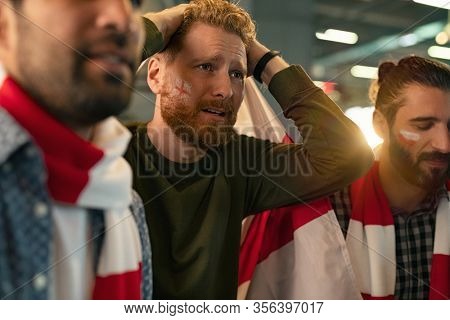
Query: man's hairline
{"type": "Point", "coordinates": [169, 60]}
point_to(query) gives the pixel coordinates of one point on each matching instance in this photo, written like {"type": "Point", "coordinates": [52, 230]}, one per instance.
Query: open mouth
{"type": "Point", "coordinates": [215, 112]}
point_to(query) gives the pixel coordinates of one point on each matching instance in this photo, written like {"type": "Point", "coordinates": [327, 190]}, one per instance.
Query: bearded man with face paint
{"type": "Point", "coordinates": [197, 177]}
{"type": "Point", "coordinates": [397, 217]}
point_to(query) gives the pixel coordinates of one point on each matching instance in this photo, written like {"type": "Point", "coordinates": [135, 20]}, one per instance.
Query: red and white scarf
{"type": "Point", "coordinates": [371, 242]}
{"type": "Point", "coordinates": [88, 175]}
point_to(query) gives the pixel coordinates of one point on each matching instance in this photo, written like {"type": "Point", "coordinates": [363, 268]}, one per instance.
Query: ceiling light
{"type": "Point", "coordinates": [439, 52]}
{"type": "Point", "coordinates": [443, 4]}
{"type": "Point", "coordinates": [408, 40]}
{"type": "Point", "coordinates": [338, 36]}
{"type": "Point", "coordinates": [364, 72]}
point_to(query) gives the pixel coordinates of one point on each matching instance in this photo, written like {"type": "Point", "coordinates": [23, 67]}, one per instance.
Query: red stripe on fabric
{"type": "Point", "coordinates": [124, 286]}
{"type": "Point", "coordinates": [67, 156]}
{"type": "Point", "coordinates": [439, 277]}
{"type": "Point", "coordinates": [369, 202]}
{"type": "Point", "coordinates": [287, 139]}
{"type": "Point", "coordinates": [249, 254]}
{"type": "Point", "coordinates": [57, 180]}
{"type": "Point", "coordinates": [284, 221]}
{"type": "Point", "coordinates": [369, 297]}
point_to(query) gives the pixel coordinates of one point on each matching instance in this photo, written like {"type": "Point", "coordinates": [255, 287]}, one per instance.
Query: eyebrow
{"type": "Point", "coordinates": [422, 119]}
{"type": "Point", "coordinates": [427, 119]}
{"type": "Point", "coordinates": [216, 59]}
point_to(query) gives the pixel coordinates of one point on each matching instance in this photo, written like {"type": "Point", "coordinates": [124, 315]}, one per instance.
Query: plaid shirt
{"type": "Point", "coordinates": [414, 238]}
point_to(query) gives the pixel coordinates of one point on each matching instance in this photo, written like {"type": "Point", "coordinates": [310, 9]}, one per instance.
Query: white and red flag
{"type": "Point", "coordinates": [295, 252]}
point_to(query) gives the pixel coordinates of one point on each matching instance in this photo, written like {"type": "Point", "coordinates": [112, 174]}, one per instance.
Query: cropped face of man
{"type": "Point", "coordinates": [419, 140]}
{"type": "Point", "coordinates": [201, 89]}
{"type": "Point", "coordinates": [76, 58]}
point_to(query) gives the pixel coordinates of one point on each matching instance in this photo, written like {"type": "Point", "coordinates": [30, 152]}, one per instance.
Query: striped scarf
{"type": "Point", "coordinates": [371, 242]}
{"type": "Point", "coordinates": [88, 175]}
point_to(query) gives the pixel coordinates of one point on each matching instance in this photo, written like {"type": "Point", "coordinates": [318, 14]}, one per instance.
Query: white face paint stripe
{"type": "Point", "coordinates": [412, 136]}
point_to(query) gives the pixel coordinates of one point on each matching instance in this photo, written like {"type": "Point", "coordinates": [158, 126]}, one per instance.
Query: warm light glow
{"type": "Point", "coordinates": [441, 38]}
{"type": "Point", "coordinates": [364, 72]}
{"type": "Point", "coordinates": [444, 4]}
{"type": "Point", "coordinates": [338, 36]}
{"type": "Point", "coordinates": [363, 118]}
{"type": "Point", "coordinates": [320, 84]}
{"type": "Point", "coordinates": [439, 52]}
{"type": "Point", "coordinates": [327, 86]}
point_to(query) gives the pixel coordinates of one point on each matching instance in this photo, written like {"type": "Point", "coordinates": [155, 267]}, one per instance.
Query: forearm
{"type": "Point", "coordinates": [160, 26]}
{"type": "Point", "coordinates": [255, 52]}
{"type": "Point", "coordinates": [332, 142]}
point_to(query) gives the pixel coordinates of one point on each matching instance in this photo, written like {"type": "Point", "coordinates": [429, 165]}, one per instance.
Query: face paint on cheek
{"type": "Point", "coordinates": [182, 88]}
{"type": "Point", "coordinates": [180, 91]}
{"type": "Point", "coordinates": [408, 137]}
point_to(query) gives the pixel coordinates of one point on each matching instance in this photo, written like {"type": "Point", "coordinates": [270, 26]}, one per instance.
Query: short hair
{"type": "Point", "coordinates": [219, 13]}
{"type": "Point", "coordinates": [386, 92]}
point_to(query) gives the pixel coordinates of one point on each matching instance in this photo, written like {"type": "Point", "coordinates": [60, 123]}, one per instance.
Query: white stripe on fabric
{"type": "Point", "coordinates": [121, 250]}
{"type": "Point", "coordinates": [442, 234]}
{"type": "Point", "coordinates": [375, 266]}
{"type": "Point", "coordinates": [72, 275]}
{"type": "Point", "coordinates": [110, 180]}
{"type": "Point", "coordinates": [302, 269]}
{"type": "Point", "coordinates": [256, 117]}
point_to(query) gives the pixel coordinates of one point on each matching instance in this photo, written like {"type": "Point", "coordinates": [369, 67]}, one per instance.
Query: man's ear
{"type": "Point", "coordinates": [380, 125]}
{"type": "Point", "coordinates": [7, 33]}
{"type": "Point", "coordinates": [4, 24]}
{"type": "Point", "coordinates": [155, 74]}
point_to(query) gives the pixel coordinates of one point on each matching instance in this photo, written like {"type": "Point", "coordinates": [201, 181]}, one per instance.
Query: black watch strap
{"type": "Point", "coordinates": [259, 68]}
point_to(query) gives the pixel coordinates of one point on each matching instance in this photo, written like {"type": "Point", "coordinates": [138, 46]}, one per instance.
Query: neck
{"type": "Point", "coordinates": [169, 145]}
{"type": "Point", "coordinates": [400, 193]}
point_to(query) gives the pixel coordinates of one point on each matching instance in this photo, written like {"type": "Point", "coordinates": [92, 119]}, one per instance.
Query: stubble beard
{"type": "Point", "coordinates": [183, 120]}
{"type": "Point", "coordinates": [59, 83]}
{"type": "Point", "coordinates": [412, 172]}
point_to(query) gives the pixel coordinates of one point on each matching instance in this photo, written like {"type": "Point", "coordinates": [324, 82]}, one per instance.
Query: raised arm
{"type": "Point", "coordinates": [332, 155]}
{"type": "Point", "coordinates": [160, 26]}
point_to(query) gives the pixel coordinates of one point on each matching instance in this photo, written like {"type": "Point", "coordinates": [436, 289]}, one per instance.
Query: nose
{"type": "Point", "coordinates": [441, 141]}
{"type": "Point", "coordinates": [222, 88]}
{"type": "Point", "coordinates": [117, 15]}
